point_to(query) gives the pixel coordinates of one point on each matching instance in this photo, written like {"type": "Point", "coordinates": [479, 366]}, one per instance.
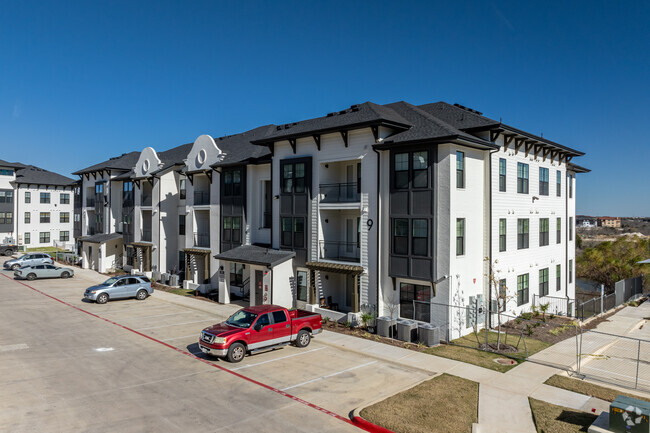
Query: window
{"type": "Point", "coordinates": [460, 169]}
{"type": "Point", "coordinates": [44, 237]}
{"type": "Point", "coordinates": [45, 197]}
{"type": "Point", "coordinates": [232, 182]}
{"type": "Point", "coordinates": [558, 183]}
{"type": "Point", "coordinates": [420, 169]}
{"type": "Point", "coordinates": [279, 316]}
{"type": "Point", "coordinates": [401, 166]}
{"type": "Point", "coordinates": [460, 236]}
{"type": "Point", "coordinates": [286, 232]}
{"type": "Point", "coordinates": [65, 198]}
{"type": "Point", "coordinates": [522, 289]}
{"type": "Point", "coordinates": [236, 274]}
{"type": "Point", "coordinates": [267, 208]}
{"type": "Point", "coordinates": [181, 262]}
{"type": "Point", "coordinates": [182, 189]}
{"type": "Point", "coordinates": [6, 172]}
{"type": "Point", "coordinates": [522, 233]}
{"type": "Point", "coordinates": [77, 217]}
{"type": "Point", "coordinates": [64, 236]}
{"type": "Point", "coordinates": [543, 232]}
{"type": "Point", "coordinates": [99, 188]}
{"type": "Point", "coordinates": [6, 196]}
{"type": "Point", "coordinates": [400, 236]}
{"type": "Point", "coordinates": [127, 194]}
{"type": "Point", "coordinates": [414, 302]}
{"type": "Point", "coordinates": [558, 277]}
{"type": "Point", "coordinates": [522, 178]}
{"type": "Point", "coordinates": [28, 217]}
{"type": "Point", "coordinates": [301, 285]}
{"type": "Point", "coordinates": [28, 197]}
{"type": "Point", "coordinates": [502, 234]}
{"type": "Point", "coordinates": [558, 231]}
{"type": "Point", "coordinates": [420, 237]}
{"type": "Point", "coordinates": [543, 282]}
{"type": "Point", "coordinates": [299, 232]}
{"type": "Point", "coordinates": [64, 217]}
{"type": "Point", "coordinates": [570, 186]}
{"type": "Point", "coordinates": [570, 271]}
{"type": "Point", "coordinates": [45, 217]}
{"type": "Point", "coordinates": [543, 181]}
{"type": "Point", "coordinates": [232, 229]}
{"type": "Point", "coordinates": [502, 174]}
{"type": "Point", "coordinates": [293, 178]}
{"type": "Point", "coordinates": [181, 224]}
{"type": "Point", "coordinates": [28, 239]}
{"type": "Point", "coordinates": [6, 218]}
{"type": "Point", "coordinates": [570, 228]}
{"type": "Point", "coordinates": [411, 169]}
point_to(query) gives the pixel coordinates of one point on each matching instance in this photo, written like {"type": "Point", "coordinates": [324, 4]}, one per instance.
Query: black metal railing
{"type": "Point", "coordinates": [337, 250]}
{"type": "Point", "coordinates": [202, 240]}
{"type": "Point", "coordinates": [339, 193]}
{"type": "Point", "coordinates": [146, 235]}
{"type": "Point", "coordinates": [146, 200]}
{"type": "Point", "coordinates": [201, 198]}
{"type": "Point", "coordinates": [90, 202]}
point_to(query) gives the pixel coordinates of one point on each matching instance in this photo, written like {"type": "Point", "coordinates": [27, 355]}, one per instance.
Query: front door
{"type": "Point", "coordinates": [259, 287]}
{"type": "Point", "coordinates": [281, 327]}
{"type": "Point", "coordinates": [349, 238]}
{"type": "Point", "coordinates": [260, 337]}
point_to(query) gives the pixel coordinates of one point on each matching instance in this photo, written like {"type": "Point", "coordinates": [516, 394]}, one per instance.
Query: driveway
{"type": "Point", "coordinates": [71, 365]}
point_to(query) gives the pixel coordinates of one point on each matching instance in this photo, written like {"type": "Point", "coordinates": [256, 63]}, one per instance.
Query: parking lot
{"type": "Point", "coordinates": [63, 369]}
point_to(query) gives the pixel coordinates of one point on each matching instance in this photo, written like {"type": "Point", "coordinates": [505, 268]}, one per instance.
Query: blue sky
{"type": "Point", "coordinates": [83, 81]}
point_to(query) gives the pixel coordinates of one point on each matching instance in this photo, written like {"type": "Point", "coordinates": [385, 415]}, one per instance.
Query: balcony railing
{"type": "Point", "coordinates": [339, 193]}
{"type": "Point", "coordinates": [146, 235]}
{"type": "Point", "coordinates": [337, 250]}
{"type": "Point", "coordinates": [202, 240]}
{"type": "Point", "coordinates": [201, 198]}
{"type": "Point", "coordinates": [90, 202]}
{"type": "Point", "coordinates": [146, 200]}
{"type": "Point", "coordinates": [127, 238]}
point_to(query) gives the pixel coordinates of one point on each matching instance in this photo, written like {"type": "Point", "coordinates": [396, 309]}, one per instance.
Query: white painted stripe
{"type": "Point", "coordinates": [277, 359]}
{"type": "Point", "coordinates": [196, 335]}
{"type": "Point", "coordinates": [158, 315]}
{"type": "Point", "coordinates": [329, 375]}
{"type": "Point", "coordinates": [176, 324]}
{"type": "Point", "coordinates": [11, 347]}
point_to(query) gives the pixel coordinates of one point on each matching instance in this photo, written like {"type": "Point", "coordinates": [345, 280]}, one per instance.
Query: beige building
{"type": "Point", "coordinates": [609, 222]}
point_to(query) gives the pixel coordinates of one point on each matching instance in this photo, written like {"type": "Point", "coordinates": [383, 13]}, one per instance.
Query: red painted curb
{"type": "Point", "coordinates": [368, 426]}
{"type": "Point", "coordinates": [205, 361]}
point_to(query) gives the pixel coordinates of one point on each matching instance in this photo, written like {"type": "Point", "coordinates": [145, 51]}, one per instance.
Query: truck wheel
{"type": "Point", "coordinates": [15, 267]}
{"type": "Point", "coordinates": [141, 295]}
{"type": "Point", "coordinates": [102, 298]}
{"type": "Point", "coordinates": [236, 352]}
{"type": "Point", "coordinates": [303, 338]}
{"type": "Point", "coordinates": [31, 276]}
{"type": "Point", "coordinates": [65, 274]}
{"type": "Point", "coordinates": [9, 252]}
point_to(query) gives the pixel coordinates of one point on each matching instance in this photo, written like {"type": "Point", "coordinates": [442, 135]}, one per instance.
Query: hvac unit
{"type": "Point", "coordinates": [385, 326]}
{"type": "Point", "coordinates": [407, 330]}
{"type": "Point", "coordinates": [428, 334]}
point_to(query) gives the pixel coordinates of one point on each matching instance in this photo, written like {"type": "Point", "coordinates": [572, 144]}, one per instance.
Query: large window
{"type": "Point", "coordinates": [401, 236]}
{"type": "Point", "coordinates": [287, 232]}
{"type": "Point", "coordinates": [460, 169]}
{"type": "Point", "coordinates": [558, 183]}
{"type": "Point", "coordinates": [522, 289]}
{"type": "Point", "coordinates": [522, 178]}
{"type": "Point", "coordinates": [522, 233]}
{"type": "Point", "coordinates": [236, 274]}
{"type": "Point", "coordinates": [28, 217]}
{"type": "Point", "coordinates": [293, 177]}
{"type": "Point", "coordinates": [293, 232]}
{"type": "Point", "coordinates": [411, 168]}
{"type": "Point", "coordinates": [45, 217]}
{"type": "Point", "coordinates": [401, 168]}
{"type": "Point", "coordinates": [28, 197]}
{"type": "Point", "coordinates": [502, 234]}
{"type": "Point", "coordinates": [301, 285]}
{"type": "Point", "coordinates": [543, 181]}
{"type": "Point", "coordinates": [543, 232]}
{"type": "Point", "coordinates": [420, 169]}
{"type": "Point", "coordinates": [64, 236]}
{"type": "Point", "coordinates": [502, 174]}
{"type": "Point", "coordinates": [45, 197]}
{"type": "Point", "coordinates": [44, 237]}
{"type": "Point", "coordinates": [64, 217]}
{"type": "Point", "coordinates": [181, 224]}
{"type": "Point", "coordinates": [6, 218]}
{"type": "Point", "coordinates": [570, 271]}
{"type": "Point", "coordinates": [232, 182]}
{"type": "Point", "coordinates": [420, 237]}
{"type": "Point", "coordinates": [543, 282]}
{"type": "Point", "coordinates": [570, 186]}
{"type": "Point", "coordinates": [231, 229]}
{"type": "Point", "coordinates": [418, 310]}
{"type": "Point", "coordinates": [99, 188]}
{"type": "Point", "coordinates": [570, 228]}
{"type": "Point", "coordinates": [182, 189]}
{"type": "Point", "coordinates": [65, 198]}
{"type": "Point", "coordinates": [6, 196]}
{"type": "Point", "coordinates": [460, 236]}
{"type": "Point", "coordinates": [28, 238]}
{"type": "Point", "coordinates": [127, 194]}
{"type": "Point", "coordinates": [558, 231]}
{"type": "Point", "coordinates": [558, 277]}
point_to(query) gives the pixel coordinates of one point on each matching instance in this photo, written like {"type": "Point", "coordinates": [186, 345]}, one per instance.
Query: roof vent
{"type": "Point", "coordinates": [331, 114]}
{"type": "Point", "coordinates": [343, 111]}
{"type": "Point", "coordinates": [354, 107]}
{"type": "Point", "coordinates": [468, 109]}
{"type": "Point", "coordinates": [287, 126]}
{"type": "Point", "coordinates": [278, 128]}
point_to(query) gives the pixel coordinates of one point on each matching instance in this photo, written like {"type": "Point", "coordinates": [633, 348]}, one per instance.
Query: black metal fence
{"type": "Point", "coordinates": [339, 193]}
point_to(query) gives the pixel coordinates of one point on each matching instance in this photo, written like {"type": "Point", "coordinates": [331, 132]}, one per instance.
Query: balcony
{"type": "Point", "coordinates": [201, 198]}
{"type": "Point", "coordinates": [90, 202]}
{"type": "Point", "coordinates": [146, 235]}
{"type": "Point", "coordinates": [340, 251]}
{"type": "Point", "coordinates": [146, 200]}
{"type": "Point", "coordinates": [339, 193]}
{"type": "Point", "coordinates": [202, 240]}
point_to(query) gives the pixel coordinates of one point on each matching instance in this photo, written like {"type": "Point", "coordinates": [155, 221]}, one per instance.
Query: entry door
{"type": "Point", "coordinates": [349, 289]}
{"type": "Point", "coordinates": [349, 236]}
{"type": "Point", "coordinates": [259, 287]}
{"type": "Point", "coordinates": [350, 187]}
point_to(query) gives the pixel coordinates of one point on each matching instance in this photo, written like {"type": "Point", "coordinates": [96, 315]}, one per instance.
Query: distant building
{"type": "Point", "coordinates": [609, 222]}
{"type": "Point", "coordinates": [585, 222]}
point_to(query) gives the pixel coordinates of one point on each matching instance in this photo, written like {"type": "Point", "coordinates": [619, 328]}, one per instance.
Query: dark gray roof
{"type": "Point", "coordinates": [578, 169]}
{"type": "Point", "coordinates": [255, 255]}
{"type": "Point", "coordinates": [126, 175]}
{"type": "Point", "coordinates": [357, 116]}
{"type": "Point", "coordinates": [101, 238]}
{"type": "Point", "coordinates": [239, 149]}
{"type": "Point", "coordinates": [126, 161]}
{"type": "Point", "coordinates": [30, 174]}
{"type": "Point", "coordinates": [4, 163]}
{"type": "Point", "coordinates": [175, 155]}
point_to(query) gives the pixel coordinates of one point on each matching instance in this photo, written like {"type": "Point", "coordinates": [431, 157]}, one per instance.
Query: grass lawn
{"type": "Point", "coordinates": [557, 419]}
{"type": "Point", "coordinates": [181, 292]}
{"type": "Point", "coordinates": [45, 250]}
{"type": "Point", "coordinates": [483, 358]}
{"type": "Point", "coordinates": [443, 404]}
{"type": "Point", "coordinates": [587, 388]}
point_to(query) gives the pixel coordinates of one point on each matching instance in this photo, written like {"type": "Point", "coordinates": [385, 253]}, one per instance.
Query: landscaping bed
{"type": "Point", "coordinates": [443, 404]}
{"type": "Point", "coordinates": [557, 419]}
{"type": "Point", "coordinates": [588, 388]}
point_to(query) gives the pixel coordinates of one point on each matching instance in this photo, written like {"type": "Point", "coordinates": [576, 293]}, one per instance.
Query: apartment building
{"type": "Point", "coordinates": [7, 204]}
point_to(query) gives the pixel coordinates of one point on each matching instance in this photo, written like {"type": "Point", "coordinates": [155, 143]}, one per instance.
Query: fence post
{"type": "Point", "coordinates": [638, 358]}
{"type": "Point", "coordinates": [602, 298]}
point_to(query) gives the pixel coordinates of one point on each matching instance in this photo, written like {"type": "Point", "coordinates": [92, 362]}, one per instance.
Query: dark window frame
{"type": "Point", "coordinates": [460, 236]}
{"type": "Point", "coordinates": [558, 183]}
{"type": "Point", "coordinates": [503, 224]}
{"type": "Point", "coordinates": [181, 224]}
{"type": "Point", "coordinates": [523, 289]}
{"type": "Point", "coordinates": [44, 237]}
{"type": "Point", "coordinates": [460, 169]}
{"type": "Point", "coordinates": [543, 282]}
{"type": "Point", "coordinates": [44, 217]}
{"type": "Point", "coordinates": [523, 174]}
{"type": "Point", "coordinates": [543, 180]}
{"type": "Point", "coordinates": [64, 198]}
{"type": "Point", "coordinates": [503, 167]}
{"type": "Point", "coordinates": [45, 198]}
{"type": "Point", "coordinates": [523, 233]}
{"type": "Point", "coordinates": [543, 232]}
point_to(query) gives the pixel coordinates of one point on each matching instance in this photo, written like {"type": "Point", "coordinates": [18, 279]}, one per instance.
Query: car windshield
{"type": "Point", "coordinates": [24, 256]}
{"type": "Point", "coordinates": [241, 319]}
{"type": "Point", "coordinates": [110, 281]}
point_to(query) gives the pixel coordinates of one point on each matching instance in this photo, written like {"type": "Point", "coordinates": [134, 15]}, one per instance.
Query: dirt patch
{"type": "Point", "coordinates": [549, 328]}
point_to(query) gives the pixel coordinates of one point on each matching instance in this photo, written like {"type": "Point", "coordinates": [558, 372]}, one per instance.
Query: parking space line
{"type": "Point", "coordinates": [134, 308]}
{"type": "Point", "coordinates": [196, 335]}
{"type": "Point", "coordinates": [330, 375]}
{"type": "Point", "coordinates": [175, 324]}
{"type": "Point", "coordinates": [277, 359]}
{"type": "Point", "coordinates": [205, 361]}
{"type": "Point", "coordinates": [158, 315]}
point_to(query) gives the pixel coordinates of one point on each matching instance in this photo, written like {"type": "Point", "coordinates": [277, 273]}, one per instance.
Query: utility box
{"type": "Point", "coordinates": [428, 334]}
{"type": "Point", "coordinates": [628, 414]}
{"type": "Point", "coordinates": [385, 326]}
{"type": "Point", "coordinates": [407, 330]}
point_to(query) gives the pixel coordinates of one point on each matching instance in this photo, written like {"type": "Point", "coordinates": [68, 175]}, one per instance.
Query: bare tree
{"type": "Point", "coordinates": [501, 296]}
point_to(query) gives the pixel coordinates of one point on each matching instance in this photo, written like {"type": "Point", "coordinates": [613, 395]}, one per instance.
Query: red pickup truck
{"type": "Point", "coordinates": [262, 327]}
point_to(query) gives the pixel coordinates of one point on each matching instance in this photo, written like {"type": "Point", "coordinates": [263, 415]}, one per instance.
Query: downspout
{"type": "Point", "coordinates": [378, 226]}
{"type": "Point", "coordinates": [159, 220]}
{"type": "Point", "coordinates": [490, 237]}
{"type": "Point", "coordinates": [566, 246]}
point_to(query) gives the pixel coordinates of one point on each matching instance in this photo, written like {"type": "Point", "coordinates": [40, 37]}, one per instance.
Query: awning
{"type": "Point", "coordinates": [142, 244]}
{"type": "Point", "coordinates": [198, 251]}
{"type": "Point", "coordinates": [254, 255]}
{"type": "Point", "coordinates": [335, 267]}
{"type": "Point", "coordinates": [101, 238]}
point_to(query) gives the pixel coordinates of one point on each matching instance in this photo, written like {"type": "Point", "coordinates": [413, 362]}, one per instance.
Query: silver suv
{"type": "Point", "coordinates": [30, 259]}
{"type": "Point", "coordinates": [123, 286]}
